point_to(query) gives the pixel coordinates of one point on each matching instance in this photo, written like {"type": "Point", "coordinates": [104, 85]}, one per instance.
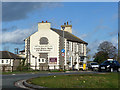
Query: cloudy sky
{"type": "Point", "coordinates": [92, 22]}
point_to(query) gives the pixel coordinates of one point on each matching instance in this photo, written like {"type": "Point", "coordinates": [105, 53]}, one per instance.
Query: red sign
{"type": "Point", "coordinates": [63, 54]}
{"type": "Point", "coordinates": [53, 59]}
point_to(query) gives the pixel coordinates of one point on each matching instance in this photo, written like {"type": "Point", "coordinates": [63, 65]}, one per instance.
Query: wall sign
{"type": "Point", "coordinates": [43, 48]}
{"type": "Point", "coordinates": [53, 60]}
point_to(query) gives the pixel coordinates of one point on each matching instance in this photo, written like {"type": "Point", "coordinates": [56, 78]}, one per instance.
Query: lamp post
{"type": "Point", "coordinates": [63, 45]}
{"type": "Point", "coordinates": [35, 62]}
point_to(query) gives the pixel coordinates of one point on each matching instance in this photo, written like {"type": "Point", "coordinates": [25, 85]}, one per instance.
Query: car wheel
{"type": "Point", "coordinates": [118, 70]}
{"type": "Point", "coordinates": [111, 69]}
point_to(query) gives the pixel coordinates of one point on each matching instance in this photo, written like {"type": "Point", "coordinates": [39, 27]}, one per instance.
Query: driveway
{"type": "Point", "coordinates": [8, 81]}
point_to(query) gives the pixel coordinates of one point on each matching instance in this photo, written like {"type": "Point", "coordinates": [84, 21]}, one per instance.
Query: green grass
{"type": "Point", "coordinates": [109, 80]}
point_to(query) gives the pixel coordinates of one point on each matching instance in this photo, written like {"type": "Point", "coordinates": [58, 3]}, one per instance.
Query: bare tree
{"type": "Point", "coordinates": [108, 48]}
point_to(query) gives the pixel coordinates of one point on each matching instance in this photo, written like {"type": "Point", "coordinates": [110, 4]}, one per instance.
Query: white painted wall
{"type": "Point", "coordinates": [10, 61]}
{"type": "Point", "coordinates": [53, 39]}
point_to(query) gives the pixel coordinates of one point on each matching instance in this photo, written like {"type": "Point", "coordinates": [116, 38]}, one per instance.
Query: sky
{"type": "Point", "coordinates": [93, 22]}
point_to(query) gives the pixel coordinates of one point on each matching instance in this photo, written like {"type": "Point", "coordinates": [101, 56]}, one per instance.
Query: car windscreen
{"type": "Point", "coordinates": [116, 62]}
{"type": "Point", "coordinates": [103, 63]}
{"type": "Point", "coordinates": [108, 62]}
{"type": "Point", "coordinates": [94, 64]}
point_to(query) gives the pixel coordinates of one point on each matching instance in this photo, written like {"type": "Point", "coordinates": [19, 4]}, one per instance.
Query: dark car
{"type": "Point", "coordinates": [111, 66]}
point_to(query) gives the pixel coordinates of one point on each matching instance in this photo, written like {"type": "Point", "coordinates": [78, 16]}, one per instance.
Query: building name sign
{"type": "Point", "coordinates": [52, 60]}
{"type": "Point", "coordinates": [43, 48]}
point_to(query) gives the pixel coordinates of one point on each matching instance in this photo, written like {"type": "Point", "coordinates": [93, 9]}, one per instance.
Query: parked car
{"type": "Point", "coordinates": [109, 65]}
{"type": "Point", "coordinates": [93, 66]}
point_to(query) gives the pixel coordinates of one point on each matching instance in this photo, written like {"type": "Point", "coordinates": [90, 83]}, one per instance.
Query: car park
{"type": "Point", "coordinates": [93, 66]}
{"type": "Point", "coordinates": [109, 65]}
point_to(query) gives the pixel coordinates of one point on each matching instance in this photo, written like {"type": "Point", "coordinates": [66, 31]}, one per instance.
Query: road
{"type": "Point", "coordinates": [8, 81]}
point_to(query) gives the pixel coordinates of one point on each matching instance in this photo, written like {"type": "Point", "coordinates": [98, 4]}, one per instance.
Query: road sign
{"type": "Point", "coordinates": [63, 50]}
{"type": "Point", "coordinates": [63, 54]}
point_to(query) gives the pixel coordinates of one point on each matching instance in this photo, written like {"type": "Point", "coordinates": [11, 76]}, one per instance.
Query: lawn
{"type": "Point", "coordinates": [107, 80]}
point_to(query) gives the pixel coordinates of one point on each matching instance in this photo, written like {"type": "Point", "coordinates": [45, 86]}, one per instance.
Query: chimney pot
{"type": "Point", "coordinates": [64, 23]}
{"type": "Point", "coordinates": [67, 22]}
{"type": "Point", "coordinates": [42, 21]}
{"type": "Point", "coordinates": [46, 21]}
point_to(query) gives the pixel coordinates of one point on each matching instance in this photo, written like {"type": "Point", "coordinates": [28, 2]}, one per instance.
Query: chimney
{"type": "Point", "coordinates": [44, 26]}
{"type": "Point", "coordinates": [64, 23]}
{"type": "Point", "coordinates": [68, 28]}
{"type": "Point", "coordinates": [67, 22]}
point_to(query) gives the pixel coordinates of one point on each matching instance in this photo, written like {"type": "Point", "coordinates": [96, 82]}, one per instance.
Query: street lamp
{"type": "Point", "coordinates": [63, 44]}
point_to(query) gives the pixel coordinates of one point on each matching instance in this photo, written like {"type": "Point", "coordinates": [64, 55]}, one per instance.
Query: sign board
{"type": "Point", "coordinates": [53, 60]}
{"type": "Point", "coordinates": [70, 53]}
{"type": "Point", "coordinates": [63, 54]}
{"type": "Point", "coordinates": [63, 50]}
{"type": "Point", "coordinates": [43, 48]}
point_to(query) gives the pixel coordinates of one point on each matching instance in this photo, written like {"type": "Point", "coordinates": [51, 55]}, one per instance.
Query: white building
{"type": "Point", "coordinates": [43, 48]}
{"type": "Point", "coordinates": [9, 61]}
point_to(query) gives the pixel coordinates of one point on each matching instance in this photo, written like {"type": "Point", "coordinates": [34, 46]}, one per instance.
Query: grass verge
{"type": "Point", "coordinates": [107, 80]}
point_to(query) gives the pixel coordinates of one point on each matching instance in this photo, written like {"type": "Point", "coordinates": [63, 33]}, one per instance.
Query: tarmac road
{"type": "Point", "coordinates": [8, 81]}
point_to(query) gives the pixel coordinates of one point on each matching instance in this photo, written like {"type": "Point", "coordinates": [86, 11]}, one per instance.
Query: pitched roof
{"type": "Point", "coordinates": [69, 36]}
{"type": "Point", "coordinates": [8, 55]}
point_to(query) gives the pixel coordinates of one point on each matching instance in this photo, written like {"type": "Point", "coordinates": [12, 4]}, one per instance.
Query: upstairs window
{"type": "Point", "coordinates": [2, 61]}
{"type": "Point", "coordinates": [6, 61]}
{"type": "Point", "coordinates": [43, 40]}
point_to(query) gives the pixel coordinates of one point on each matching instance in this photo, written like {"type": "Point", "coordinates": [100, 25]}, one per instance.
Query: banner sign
{"type": "Point", "coordinates": [43, 48]}
{"type": "Point", "coordinates": [53, 60]}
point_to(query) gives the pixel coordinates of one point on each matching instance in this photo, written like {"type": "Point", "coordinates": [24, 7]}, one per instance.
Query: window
{"type": "Point", "coordinates": [39, 60]}
{"type": "Point", "coordinates": [2, 61]}
{"type": "Point", "coordinates": [6, 61]}
{"type": "Point", "coordinates": [32, 56]}
{"type": "Point", "coordinates": [42, 60]}
{"type": "Point", "coordinates": [43, 40]}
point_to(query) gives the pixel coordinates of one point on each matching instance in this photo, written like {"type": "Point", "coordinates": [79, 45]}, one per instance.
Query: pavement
{"type": "Point", "coordinates": [8, 81]}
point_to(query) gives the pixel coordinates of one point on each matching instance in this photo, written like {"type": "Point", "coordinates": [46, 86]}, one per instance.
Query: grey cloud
{"type": "Point", "coordinates": [19, 10]}
{"type": "Point", "coordinates": [16, 36]}
{"type": "Point", "coordinates": [8, 29]}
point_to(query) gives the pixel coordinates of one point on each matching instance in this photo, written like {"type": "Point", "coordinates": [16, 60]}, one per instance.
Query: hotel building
{"type": "Point", "coordinates": [55, 48]}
